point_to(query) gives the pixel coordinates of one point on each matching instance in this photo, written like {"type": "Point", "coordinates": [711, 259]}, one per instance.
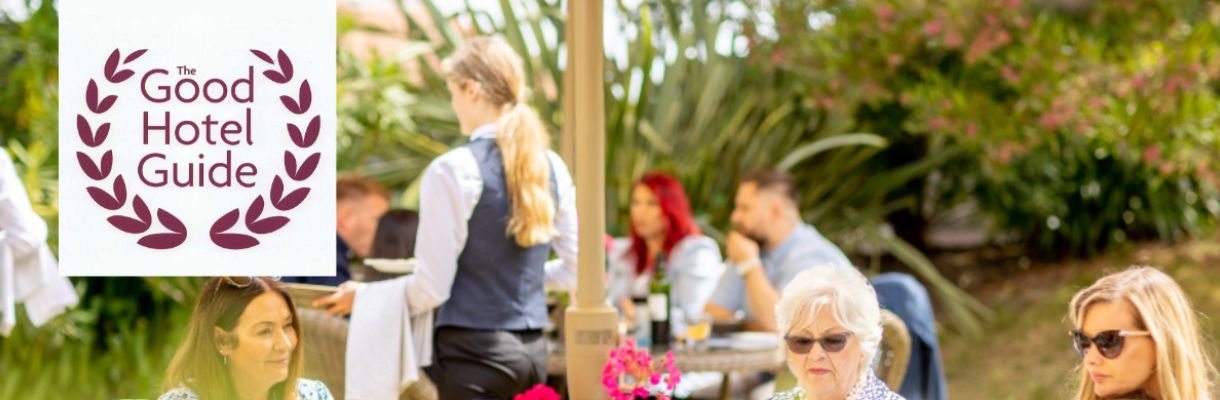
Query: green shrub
{"type": "Point", "coordinates": [1075, 127]}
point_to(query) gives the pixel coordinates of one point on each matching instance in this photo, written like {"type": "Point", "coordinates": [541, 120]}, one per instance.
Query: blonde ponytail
{"type": "Point", "coordinates": [523, 143]}
{"type": "Point", "coordinates": [521, 136]}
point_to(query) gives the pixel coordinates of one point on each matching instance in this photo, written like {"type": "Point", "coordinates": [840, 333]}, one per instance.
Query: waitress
{"type": "Point", "coordinates": [490, 214]}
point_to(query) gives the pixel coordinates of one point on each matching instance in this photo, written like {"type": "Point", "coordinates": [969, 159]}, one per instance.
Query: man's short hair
{"type": "Point", "coordinates": [773, 180]}
{"type": "Point", "coordinates": [356, 187]}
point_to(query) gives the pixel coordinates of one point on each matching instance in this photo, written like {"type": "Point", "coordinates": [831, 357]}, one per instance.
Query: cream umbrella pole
{"type": "Point", "coordinates": [590, 324]}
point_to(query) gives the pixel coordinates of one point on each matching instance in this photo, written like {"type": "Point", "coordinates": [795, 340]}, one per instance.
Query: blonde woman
{"type": "Point", "coordinates": [490, 214]}
{"type": "Point", "coordinates": [1138, 339]}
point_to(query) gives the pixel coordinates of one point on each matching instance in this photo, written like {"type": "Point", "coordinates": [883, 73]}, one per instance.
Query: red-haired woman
{"type": "Point", "coordinates": [661, 223]}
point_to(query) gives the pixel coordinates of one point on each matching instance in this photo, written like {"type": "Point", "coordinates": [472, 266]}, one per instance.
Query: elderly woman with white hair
{"type": "Point", "coordinates": [831, 322]}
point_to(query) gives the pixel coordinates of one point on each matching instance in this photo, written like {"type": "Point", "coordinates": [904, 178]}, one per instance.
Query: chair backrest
{"type": "Point", "coordinates": [325, 348]}
{"type": "Point", "coordinates": [894, 354]}
{"type": "Point", "coordinates": [326, 355]}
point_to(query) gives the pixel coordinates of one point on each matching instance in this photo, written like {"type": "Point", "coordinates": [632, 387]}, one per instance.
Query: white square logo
{"type": "Point", "coordinates": [197, 138]}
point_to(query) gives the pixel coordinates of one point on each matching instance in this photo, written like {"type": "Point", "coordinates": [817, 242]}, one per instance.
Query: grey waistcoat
{"type": "Point", "coordinates": [499, 285]}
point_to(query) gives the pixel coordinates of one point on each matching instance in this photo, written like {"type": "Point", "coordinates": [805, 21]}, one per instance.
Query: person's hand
{"type": "Point", "coordinates": [340, 303]}
{"type": "Point", "coordinates": [740, 249]}
{"type": "Point", "coordinates": [628, 308]}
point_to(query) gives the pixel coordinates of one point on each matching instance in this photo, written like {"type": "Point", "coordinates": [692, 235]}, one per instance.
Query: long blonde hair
{"type": "Point", "coordinates": [521, 136]}
{"type": "Point", "coordinates": [198, 364]}
{"type": "Point", "coordinates": [1183, 371]}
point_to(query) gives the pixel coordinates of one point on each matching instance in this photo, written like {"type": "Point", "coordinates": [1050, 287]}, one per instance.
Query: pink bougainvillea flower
{"type": "Point", "coordinates": [885, 12]}
{"type": "Point", "coordinates": [933, 28]}
{"type": "Point", "coordinates": [538, 392]}
{"type": "Point", "coordinates": [628, 373]}
{"type": "Point", "coordinates": [674, 374]}
{"type": "Point", "coordinates": [1166, 169]}
{"type": "Point", "coordinates": [894, 60]}
{"type": "Point", "coordinates": [1152, 154]}
{"type": "Point", "coordinates": [938, 123]}
{"type": "Point", "coordinates": [991, 19]}
{"type": "Point", "coordinates": [952, 39]}
{"type": "Point", "coordinates": [1010, 74]}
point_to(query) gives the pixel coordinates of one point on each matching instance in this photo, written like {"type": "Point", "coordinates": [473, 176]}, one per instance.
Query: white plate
{"type": "Point", "coordinates": [754, 340]}
{"type": "Point", "coordinates": [392, 266]}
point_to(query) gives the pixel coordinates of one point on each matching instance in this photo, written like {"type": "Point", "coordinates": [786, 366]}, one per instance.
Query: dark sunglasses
{"type": "Point", "coordinates": [803, 344]}
{"type": "Point", "coordinates": [1109, 343]}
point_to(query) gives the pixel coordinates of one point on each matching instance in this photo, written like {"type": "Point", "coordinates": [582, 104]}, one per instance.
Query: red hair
{"type": "Point", "coordinates": [675, 208]}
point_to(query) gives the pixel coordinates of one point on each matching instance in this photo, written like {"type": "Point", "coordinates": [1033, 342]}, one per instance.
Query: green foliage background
{"type": "Point", "coordinates": [1067, 130]}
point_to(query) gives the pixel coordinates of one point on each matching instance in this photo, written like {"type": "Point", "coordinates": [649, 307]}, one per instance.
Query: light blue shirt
{"type": "Point", "coordinates": [804, 248]}
{"type": "Point", "coordinates": [694, 267]}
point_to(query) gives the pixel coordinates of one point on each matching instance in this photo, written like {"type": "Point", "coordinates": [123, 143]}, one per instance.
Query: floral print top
{"type": "Point", "coordinates": [306, 390]}
{"type": "Point", "coordinates": [869, 388]}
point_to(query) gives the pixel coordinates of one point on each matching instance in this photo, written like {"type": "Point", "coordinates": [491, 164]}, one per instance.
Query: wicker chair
{"type": "Point", "coordinates": [325, 355]}
{"type": "Point", "coordinates": [325, 347]}
{"type": "Point", "coordinates": [895, 351]}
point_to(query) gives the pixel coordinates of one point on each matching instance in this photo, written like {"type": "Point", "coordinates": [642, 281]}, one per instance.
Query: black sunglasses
{"type": "Point", "coordinates": [803, 344]}
{"type": "Point", "coordinates": [1109, 343]}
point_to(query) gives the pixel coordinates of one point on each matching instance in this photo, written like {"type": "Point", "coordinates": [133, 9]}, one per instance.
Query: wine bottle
{"type": "Point", "coordinates": [659, 304]}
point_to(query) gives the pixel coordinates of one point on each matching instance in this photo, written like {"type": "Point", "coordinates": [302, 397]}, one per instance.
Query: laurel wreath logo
{"type": "Point", "coordinates": [142, 222]}
{"type": "Point", "coordinates": [297, 172]}
{"type": "Point", "coordinates": [116, 199]}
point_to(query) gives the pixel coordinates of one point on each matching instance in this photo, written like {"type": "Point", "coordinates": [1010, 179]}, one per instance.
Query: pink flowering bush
{"type": "Point", "coordinates": [1071, 125]}
{"type": "Point", "coordinates": [629, 375]}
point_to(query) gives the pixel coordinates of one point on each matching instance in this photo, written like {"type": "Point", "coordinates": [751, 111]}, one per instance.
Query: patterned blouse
{"type": "Point", "coordinates": [869, 388]}
{"type": "Point", "coordinates": [306, 390]}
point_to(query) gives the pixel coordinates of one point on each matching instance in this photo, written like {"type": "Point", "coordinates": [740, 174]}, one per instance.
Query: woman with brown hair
{"type": "Point", "coordinates": [243, 342]}
{"type": "Point", "coordinates": [490, 214]}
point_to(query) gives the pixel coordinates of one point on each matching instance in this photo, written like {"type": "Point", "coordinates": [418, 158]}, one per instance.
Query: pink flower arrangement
{"type": "Point", "coordinates": [629, 372]}
{"type": "Point", "coordinates": [674, 374]}
{"type": "Point", "coordinates": [538, 392]}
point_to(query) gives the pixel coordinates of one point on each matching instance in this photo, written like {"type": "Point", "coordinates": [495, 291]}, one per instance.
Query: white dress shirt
{"type": "Point", "coordinates": [29, 273]}
{"type": "Point", "coordinates": [449, 190]}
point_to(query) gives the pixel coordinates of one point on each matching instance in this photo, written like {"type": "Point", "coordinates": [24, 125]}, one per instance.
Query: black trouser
{"type": "Point", "coordinates": [482, 364]}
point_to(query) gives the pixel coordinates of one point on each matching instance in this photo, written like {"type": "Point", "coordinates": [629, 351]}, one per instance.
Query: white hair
{"type": "Point", "coordinates": [851, 298]}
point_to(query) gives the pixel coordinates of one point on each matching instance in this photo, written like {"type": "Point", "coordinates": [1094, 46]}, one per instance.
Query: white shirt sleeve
{"type": "Point", "coordinates": [22, 229]}
{"type": "Point", "coordinates": [561, 273]}
{"type": "Point", "coordinates": [621, 271]}
{"type": "Point", "coordinates": [449, 190]}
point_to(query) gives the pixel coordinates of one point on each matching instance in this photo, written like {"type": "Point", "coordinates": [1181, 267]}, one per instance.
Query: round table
{"type": "Point", "coordinates": [718, 360]}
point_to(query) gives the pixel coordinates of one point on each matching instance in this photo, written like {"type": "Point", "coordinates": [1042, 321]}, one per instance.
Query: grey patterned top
{"type": "Point", "coordinates": [870, 388]}
{"type": "Point", "coordinates": [306, 390]}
